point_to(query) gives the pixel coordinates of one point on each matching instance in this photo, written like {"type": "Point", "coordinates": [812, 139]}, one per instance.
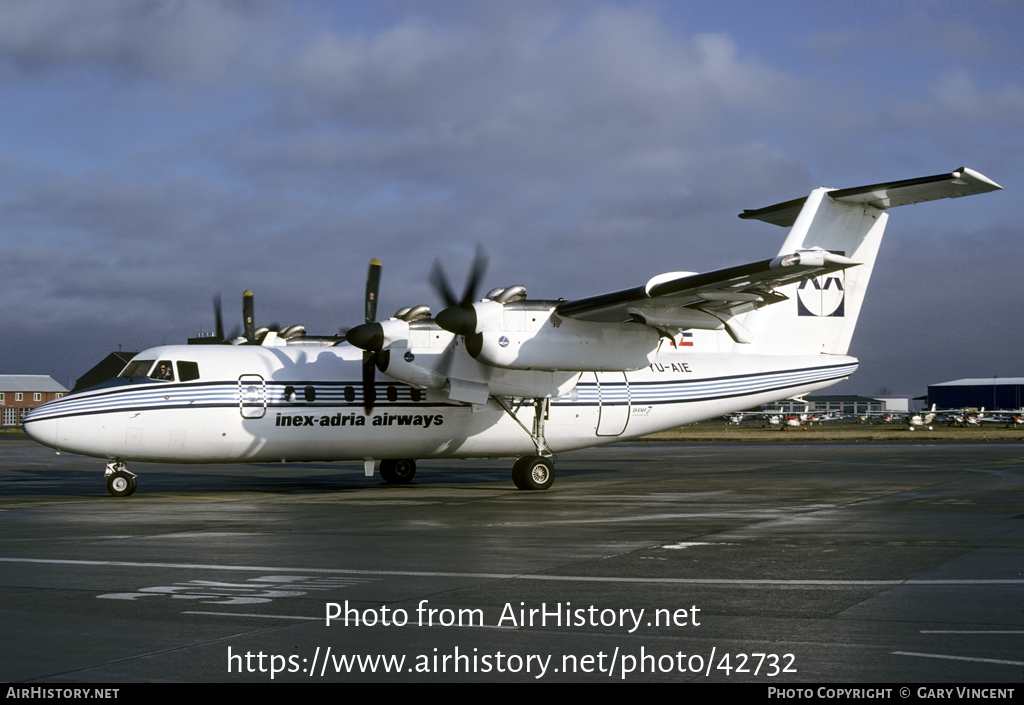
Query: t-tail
{"type": "Point", "coordinates": [821, 313]}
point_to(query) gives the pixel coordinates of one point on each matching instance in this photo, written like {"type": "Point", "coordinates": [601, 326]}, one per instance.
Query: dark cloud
{"type": "Point", "coordinates": [174, 40]}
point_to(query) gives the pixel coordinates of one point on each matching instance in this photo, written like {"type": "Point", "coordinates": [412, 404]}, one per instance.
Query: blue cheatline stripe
{"type": "Point", "coordinates": [225, 395]}
{"type": "Point", "coordinates": [705, 389]}
{"type": "Point", "coordinates": [150, 397]}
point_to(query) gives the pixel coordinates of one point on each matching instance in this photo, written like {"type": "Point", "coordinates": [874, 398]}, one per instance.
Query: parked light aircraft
{"type": "Point", "coordinates": [911, 418]}
{"type": "Point", "coordinates": [794, 420]}
{"type": "Point", "coordinates": [966, 417]}
{"type": "Point", "coordinates": [1009, 418]}
{"type": "Point", "coordinates": [509, 376]}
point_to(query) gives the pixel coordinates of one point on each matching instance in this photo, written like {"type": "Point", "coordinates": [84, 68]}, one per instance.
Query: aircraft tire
{"type": "Point", "coordinates": [519, 473]}
{"type": "Point", "coordinates": [533, 472]}
{"type": "Point", "coordinates": [397, 472]}
{"type": "Point", "coordinates": [121, 484]}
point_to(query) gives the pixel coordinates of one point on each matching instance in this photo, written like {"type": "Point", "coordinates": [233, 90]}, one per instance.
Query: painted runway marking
{"type": "Point", "coordinates": [686, 544]}
{"type": "Point", "coordinates": [253, 591]}
{"type": "Point", "coordinates": [520, 576]}
{"type": "Point", "coordinates": [960, 658]}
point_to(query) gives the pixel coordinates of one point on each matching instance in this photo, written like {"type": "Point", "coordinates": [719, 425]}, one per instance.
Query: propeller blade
{"type": "Point", "coordinates": [369, 388]}
{"type": "Point", "coordinates": [248, 316]}
{"type": "Point", "coordinates": [440, 283]}
{"type": "Point", "coordinates": [475, 275]}
{"type": "Point", "coordinates": [372, 288]}
{"type": "Point", "coordinates": [370, 334]}
{"type": "Point", "coordinates": [219, 317]}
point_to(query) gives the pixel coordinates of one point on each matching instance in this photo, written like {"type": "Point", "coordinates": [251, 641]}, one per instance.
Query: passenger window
{"type": "Point", "coordinates": [163, 372]}
{"type": "Point", "coordinates": [137, 368]}
{"type": "Point", "coordinates": [188, 371]}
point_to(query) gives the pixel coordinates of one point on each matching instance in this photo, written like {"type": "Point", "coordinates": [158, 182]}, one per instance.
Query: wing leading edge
{"type": "Point", "coordinates": [722, 294]}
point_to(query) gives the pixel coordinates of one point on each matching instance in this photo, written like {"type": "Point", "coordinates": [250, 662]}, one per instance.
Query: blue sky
{"type": "Point", "coordinates": [153, 154]}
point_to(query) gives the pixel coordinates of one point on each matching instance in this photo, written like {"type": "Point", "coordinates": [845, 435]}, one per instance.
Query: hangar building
{"type": "Point", "coordinates": [988, 392]}
{"type": "Point", "coordinates": [19, 393]}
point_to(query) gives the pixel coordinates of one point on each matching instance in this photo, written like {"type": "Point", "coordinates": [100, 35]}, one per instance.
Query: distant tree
{"type": "Point", "coordinates": [883, 391]}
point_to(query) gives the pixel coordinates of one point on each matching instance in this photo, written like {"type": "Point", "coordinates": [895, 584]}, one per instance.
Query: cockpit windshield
{"type": "Point", "coordinates": [162, 371]}
{"type": "Point", "coordinates": [137, 368]}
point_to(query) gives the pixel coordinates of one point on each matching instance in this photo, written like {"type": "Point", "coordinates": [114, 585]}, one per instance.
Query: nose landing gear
{"type": "Point", "coordinates": [120, 482]}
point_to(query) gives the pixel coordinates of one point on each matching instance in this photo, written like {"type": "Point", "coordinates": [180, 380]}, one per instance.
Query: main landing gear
{"type": "Point", "coordinates": [120, 482]}
{"type": "Point", "coordinates": [397, 472]}
{"type": "Point", "coordinates": [533, 472]}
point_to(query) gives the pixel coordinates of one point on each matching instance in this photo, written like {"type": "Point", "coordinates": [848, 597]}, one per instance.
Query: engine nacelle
{"type": "Point", "coordinates": [422, 368]}
{"type": "Point", "coordinates": [543, 340]}
{"type": "Point", "coordinates": [419, 370]}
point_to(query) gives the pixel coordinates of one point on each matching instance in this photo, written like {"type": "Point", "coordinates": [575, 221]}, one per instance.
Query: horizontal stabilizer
{"type": "Point", "coordinates": [962, 182]}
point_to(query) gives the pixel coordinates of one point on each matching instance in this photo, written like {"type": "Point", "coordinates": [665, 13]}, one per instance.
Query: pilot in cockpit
{"type": "Point", "coordinates": [163, 372]}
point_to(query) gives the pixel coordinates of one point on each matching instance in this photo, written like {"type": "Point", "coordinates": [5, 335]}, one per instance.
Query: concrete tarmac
{"type": "Point", "coordinates": [727, 562]}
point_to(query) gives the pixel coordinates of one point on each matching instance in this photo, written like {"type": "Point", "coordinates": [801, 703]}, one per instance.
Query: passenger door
{"type": "Point", "coordinates": [252, 396]}
{"type": "Point", "coordinates": [613, 396]}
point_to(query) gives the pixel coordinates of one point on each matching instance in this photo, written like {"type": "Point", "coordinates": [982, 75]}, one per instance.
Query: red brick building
{"type": "Point", "coordinates": [19, 393]}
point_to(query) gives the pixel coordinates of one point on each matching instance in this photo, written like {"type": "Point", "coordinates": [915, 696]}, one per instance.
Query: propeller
{"type": "Point", "coordinates": [369, 336]}
{"type": "Point", "coordinates": [459, 317]}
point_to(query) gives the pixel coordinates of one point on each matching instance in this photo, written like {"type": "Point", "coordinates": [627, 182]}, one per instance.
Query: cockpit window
{"type": "Point", "coordinates": [137, 368]}
{"type": "Point", "coordinates": [163, 372]}
{"type": "Point", "coordinates": [188, 371]}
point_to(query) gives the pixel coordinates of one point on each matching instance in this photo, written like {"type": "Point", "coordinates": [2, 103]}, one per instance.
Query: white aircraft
{"type": "Point", "coordinates": [926, 419]}
{"type": "Point", "coordinates": [508, 376]}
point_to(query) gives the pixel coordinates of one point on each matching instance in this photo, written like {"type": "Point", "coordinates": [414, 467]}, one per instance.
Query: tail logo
{"type": "Point", "coordinates": [823, 297]}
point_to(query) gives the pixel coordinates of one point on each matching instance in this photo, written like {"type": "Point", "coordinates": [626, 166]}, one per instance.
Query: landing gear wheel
{"type": "Point", "coordinates": [121, 484]}
{"type": "Point", "coordinates": [397, 472]}
{"type": "Point", "coordinates": [533, 472]}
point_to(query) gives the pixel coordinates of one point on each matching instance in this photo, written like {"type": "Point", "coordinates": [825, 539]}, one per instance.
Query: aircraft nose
{"type": "Point", "coordinates": [42, 431]}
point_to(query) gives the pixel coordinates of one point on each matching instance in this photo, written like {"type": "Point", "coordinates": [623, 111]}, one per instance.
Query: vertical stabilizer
{"type": "Point", "coordinates": [821, 314]}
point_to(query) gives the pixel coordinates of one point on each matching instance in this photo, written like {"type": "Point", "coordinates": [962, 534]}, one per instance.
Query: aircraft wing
{"type": "Point", "coordinates": [677, 298]}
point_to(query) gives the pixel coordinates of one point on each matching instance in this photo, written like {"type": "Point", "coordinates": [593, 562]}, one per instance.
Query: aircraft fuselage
{"type": "Point", "coordinates": [273, 404]}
